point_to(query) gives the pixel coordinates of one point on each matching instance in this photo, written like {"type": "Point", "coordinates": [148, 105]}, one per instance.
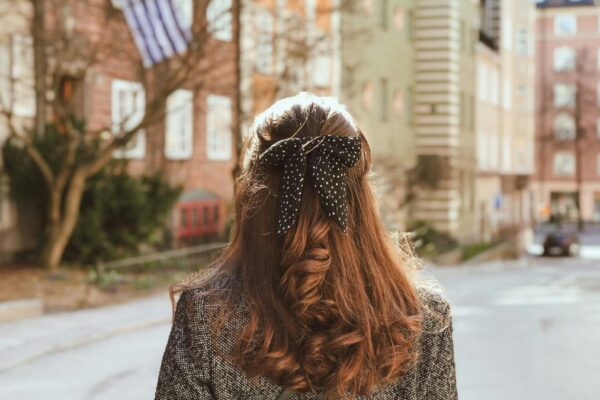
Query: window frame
{"type": "Point", "coordinates": [565, 17]}
{"type": "Point", "coordinates": [138, 149]}
{"type": "Point", "coordinates": [569, 65]}
{"type": "Point", "coordinates": [556, 158]}
{"type": "Point", "coordinates": [181, 101]}
{"type": "Point", "coordinates": [218, 151]}
{"type": "Point", "coordinates": [573, 94]}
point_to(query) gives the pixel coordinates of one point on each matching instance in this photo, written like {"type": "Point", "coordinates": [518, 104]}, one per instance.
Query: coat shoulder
{"type": "Point", "coordinates": [436, 310]}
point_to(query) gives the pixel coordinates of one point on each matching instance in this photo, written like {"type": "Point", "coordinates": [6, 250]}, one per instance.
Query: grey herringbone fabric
{"type": "Point", "coordinates": [191, 368]}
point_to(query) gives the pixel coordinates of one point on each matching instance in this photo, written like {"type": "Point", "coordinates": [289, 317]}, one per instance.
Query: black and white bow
{"type": "Point", "coordinates": [327, 157]}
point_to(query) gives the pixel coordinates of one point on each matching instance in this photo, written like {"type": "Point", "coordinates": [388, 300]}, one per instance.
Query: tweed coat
{"type": "Point", "coordinates": [192, 370]}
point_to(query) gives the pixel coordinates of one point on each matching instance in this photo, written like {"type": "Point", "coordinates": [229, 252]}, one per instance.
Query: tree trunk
{"type": "Point", "coordinates": [39, 61]}
{"type": "Point", "coordinates": [60, 230]}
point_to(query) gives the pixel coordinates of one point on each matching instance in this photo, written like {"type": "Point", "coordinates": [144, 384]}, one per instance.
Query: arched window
{"type": "Point", "coordinates": [564, 126]}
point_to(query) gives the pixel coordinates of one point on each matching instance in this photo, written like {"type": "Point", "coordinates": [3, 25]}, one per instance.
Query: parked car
{"type": "Point", "coordinates": [561, 244]}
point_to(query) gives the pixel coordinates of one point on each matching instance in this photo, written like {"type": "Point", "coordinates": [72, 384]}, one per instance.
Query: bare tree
{"type": "Point", "coordinates": [586, 104]}
{"type": "Point", "coordinates": [65, 49]}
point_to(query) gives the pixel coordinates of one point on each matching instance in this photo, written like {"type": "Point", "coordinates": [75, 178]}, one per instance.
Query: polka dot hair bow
{"type": "Point", "coordinates": [327, 158]}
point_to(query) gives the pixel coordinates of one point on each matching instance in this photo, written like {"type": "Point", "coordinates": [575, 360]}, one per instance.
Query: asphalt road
{"type": "Point", "coordinates": [524, 330]}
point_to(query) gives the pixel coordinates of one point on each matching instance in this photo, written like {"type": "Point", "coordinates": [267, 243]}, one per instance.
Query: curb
{"type": "Point", "coordinates": [20, 309]}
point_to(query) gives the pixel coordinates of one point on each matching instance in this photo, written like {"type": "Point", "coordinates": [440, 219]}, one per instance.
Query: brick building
{"type": "Point", "coordinates": [568, 121]}
{"type": "Point", "coordinates": [194, 144]}
{"type": "Point", "coordinates": [193, 140]}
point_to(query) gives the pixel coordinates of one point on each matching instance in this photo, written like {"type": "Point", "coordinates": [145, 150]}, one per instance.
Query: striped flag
{"type": "Point", "coordinates": [160, 28]}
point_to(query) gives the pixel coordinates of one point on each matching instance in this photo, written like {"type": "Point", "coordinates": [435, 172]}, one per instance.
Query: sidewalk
{"type": "Point", "coordinates": [26, 340]}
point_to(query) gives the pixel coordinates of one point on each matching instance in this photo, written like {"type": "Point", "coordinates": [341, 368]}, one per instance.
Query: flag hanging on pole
{"type": "Point", "coordinates": [160, 28]}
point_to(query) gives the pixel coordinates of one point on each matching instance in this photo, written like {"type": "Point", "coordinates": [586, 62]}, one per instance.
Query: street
{"type": "Point", "coordinates": [524, 330]}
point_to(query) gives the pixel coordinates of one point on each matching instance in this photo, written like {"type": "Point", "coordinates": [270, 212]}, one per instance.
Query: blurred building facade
{"type": "Point", "coordinates": [444, 89]}
{"type": "Point", "coordinates": [504, 118]}
{"type": "Point", "coordinates": [568, 122]}
{"type": "Point", "coordinates": [287, 47]}
{"type": "Point", "coordinates": [193, 143]}
{"type": "Point", "coordinates": [378, 86]}
{"type": "Point", "coordinates": [445, 40]}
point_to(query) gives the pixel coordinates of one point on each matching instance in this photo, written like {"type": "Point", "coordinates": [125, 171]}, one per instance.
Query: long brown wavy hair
{"type": "Point", "coordinates": [329, 311]}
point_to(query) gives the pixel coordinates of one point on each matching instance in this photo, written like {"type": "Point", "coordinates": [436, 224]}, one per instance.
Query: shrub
{"type": "Point", "coordinates": [118, 212]}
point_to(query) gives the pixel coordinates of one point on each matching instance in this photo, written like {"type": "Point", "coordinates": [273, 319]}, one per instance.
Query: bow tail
{"type": "Point", "coordinates": [292, 184]}
{"type": "Point", "coordinates": [329, 176]}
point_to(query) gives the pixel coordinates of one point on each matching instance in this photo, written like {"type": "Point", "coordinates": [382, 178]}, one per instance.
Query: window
{"type": "Point", "coordinates": [398, 17]}
{"type": "Point", "coordinates": [564, 95]}
{"type": "Point", "coordinates": [383, 14]}
{"type": "Point", "coordinates": [205, 215]}
{"type": "Point", "coordinates": [564, 163]}
{"type": "Point", "coordinates": [194, 217]}
{"type": "Point", "coordinates": [564, 127]}
{"type": "Point", "coordinates": [367, 95]}
{"type": "Point", "coordinates": [215, 214]}
{"type": "Point", "coordinates": [383, 99]}
{"type": "Point", "coordinates": [507, 94]}
{"type": "Point", "coordinates": [218, 13]}
{"type": "Point", "coordinates": [507, 31]}
{"type": "Point", "coordinates": [494, 82]}
{"type": "Point", "coordinates": [565, 25]}
{"type": "Point", "coordinates": [310, 7]}
{"type": "Point", "coordinates": [564, 59]}
{"type": "Point", "coordinates": [179, 125]}
{"type": "Point", "coordinates": [482, 82]}
{"type": "Point", "coordinates": [482, 146]}
{"type": "Point", "coordinates": [263, 61]}
{"type": "Point", "coordinates": [185, 10]}
{"type": "Point", "coordinates": [183, 215]}
{"type": "Point", "coordinates": [127, 110]}
{"type": "Point", "coordinates": [322, 61]}
{"type": "Point", "coordinates": [16, 75]}
{"type": "Point", "coordinates": [398, 102]}
{"type": "Point", "coordinates": [522, 45]}
{"type": "Point", "coordinates": [218, 127]}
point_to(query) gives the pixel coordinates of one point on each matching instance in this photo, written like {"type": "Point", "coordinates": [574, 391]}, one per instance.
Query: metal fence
{"type": "Point", "coordinates": [150, 270]}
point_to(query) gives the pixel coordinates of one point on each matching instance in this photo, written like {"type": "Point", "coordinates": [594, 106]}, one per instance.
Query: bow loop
{"type": "Point", "coordinates": [279, 151]}
{"type": "Point", "coordinates": [328, 158]}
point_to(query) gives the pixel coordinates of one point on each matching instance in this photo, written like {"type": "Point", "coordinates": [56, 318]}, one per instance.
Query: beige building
{"type": "Point", "coordinates": [504, 118]}
{"type": "Point", "coordinates": [378, 85]}
{"type": "Point", "coordinates": [445, 40]}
